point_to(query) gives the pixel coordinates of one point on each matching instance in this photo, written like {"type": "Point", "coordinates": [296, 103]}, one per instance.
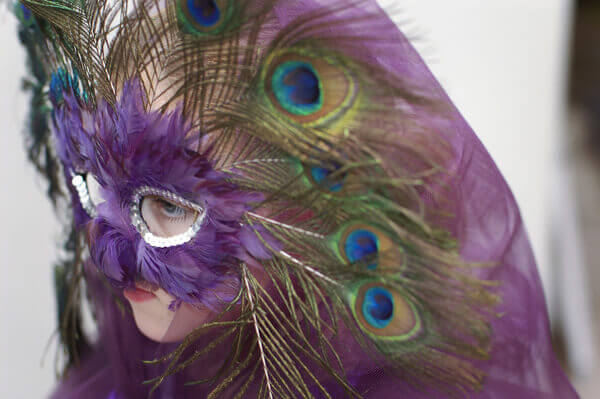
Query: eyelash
{"type": "Point", "coordinates": [166, 204]}
{"type": "Point", "coordinates": [183, 213]}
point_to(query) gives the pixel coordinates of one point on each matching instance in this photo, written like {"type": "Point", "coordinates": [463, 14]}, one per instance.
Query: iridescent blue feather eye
{"type": "Point", "coordinates": [362, 245]}
{"type": "Point", "coordinates": [206, 17]}
{"type": "Point", "coordinates": [205, 12]}
{"type": "Point", "coordinates": [378, 307]}
{"type": "Point", "coordinates": [24, 15]}
{"type": "Point", "coordinates": [307, 88]}
{"type": "Point", "coordinates": [321, 175]}
{"type": "Point", "coordinates": [368, 246]}
{"type": "Point", "coordinates": [385, 313]}
{"type": "Point", "coordinates": [297, 88]}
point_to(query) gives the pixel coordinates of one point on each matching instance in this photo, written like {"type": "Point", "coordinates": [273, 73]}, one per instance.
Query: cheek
{"type": "Point", "coordinates": [186, 319]}
{"type": "Point", "coordinates": [157, 322]}
{"type": "Point", "coordinates": [153, 319]}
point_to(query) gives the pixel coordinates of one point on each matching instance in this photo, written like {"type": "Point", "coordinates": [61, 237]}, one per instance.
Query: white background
{"type": "Point", "coordinates": [503, 62]}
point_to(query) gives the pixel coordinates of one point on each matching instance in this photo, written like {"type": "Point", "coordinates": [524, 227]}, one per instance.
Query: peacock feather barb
{"type": "Point", "coordinates": [347, 230]}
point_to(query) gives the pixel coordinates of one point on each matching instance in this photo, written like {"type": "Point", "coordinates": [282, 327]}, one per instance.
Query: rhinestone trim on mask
{"type": "Point", "coordinates": [84, 196]}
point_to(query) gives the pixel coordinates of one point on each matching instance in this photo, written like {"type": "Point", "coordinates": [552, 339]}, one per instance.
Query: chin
{"type": "Point", "coordinates": [151, 322]}
{"type": "Point", "coordinates": [160, 324]}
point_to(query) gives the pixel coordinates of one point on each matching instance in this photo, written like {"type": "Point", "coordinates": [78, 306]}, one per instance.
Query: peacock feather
{"type": "Point", "coordinates": [350, 217]}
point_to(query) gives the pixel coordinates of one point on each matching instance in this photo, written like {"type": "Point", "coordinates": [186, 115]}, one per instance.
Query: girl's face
{"type": "Point", "coordinates": [158, 314]}
{"type": "Point", "coordinates": [162, 224]}
{"type": "Point", "coordinates": [156, 319]}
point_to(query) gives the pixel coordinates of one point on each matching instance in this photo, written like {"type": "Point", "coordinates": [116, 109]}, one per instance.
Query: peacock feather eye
{"type": "Point", "coordinates": [297, 88]}
{"type": "Point", "coordinates": [378, 307]}
{"type": "Point", "coordinates": [25, 12]}
{"type": "Point", "coordinates": [306, 88]}
{"type": "Point", "coordinates": [384, 313]}
{"type": "Point", "coordinates": [205, 12]}
{"type": "Point", "coordinates": [24, 15]}
{"type": "Point", "coordinates": [204, 17]}
{"type": "Point", "coordinates": [361, 243]}
{"type": "Point", "coordinates": [321, 176]}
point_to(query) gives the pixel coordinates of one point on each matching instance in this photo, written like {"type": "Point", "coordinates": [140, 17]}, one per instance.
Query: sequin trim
{"type": "Point", "coordinates": [80, 186]}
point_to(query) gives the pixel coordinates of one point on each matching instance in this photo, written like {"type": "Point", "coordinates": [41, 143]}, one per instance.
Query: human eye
{"type": "Point", "coordinates": [164, 219]}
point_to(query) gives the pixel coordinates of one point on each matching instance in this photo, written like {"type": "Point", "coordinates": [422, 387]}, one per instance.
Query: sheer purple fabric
{"type": "Point", "coordinates": [486, 223]}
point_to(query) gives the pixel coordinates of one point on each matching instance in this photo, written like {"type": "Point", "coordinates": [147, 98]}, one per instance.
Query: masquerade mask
{"type": "Point", "coordinates": [154, 209]}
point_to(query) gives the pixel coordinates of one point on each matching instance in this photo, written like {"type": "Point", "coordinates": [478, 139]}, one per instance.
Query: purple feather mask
{"type": "Point", "coordinates": [154, 208]}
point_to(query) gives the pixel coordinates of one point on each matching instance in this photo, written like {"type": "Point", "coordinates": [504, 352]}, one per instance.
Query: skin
{"type": "Point", "coordinates": [159, 323]}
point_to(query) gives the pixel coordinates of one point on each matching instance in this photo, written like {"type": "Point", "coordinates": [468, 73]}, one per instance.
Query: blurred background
{"type": "Point", "coordinates": [525, 74]}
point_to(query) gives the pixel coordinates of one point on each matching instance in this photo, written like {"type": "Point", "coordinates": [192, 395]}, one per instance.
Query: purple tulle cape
{"type": "Point", "coordinates": [487, 225]}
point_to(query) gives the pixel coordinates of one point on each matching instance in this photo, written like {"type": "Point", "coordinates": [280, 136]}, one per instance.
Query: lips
{"type": "Point", "coordinates": [142, 292]}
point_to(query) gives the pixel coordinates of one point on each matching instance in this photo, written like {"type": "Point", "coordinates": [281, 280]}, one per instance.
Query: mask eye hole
{"type": "Point", "coordinates": [79, 183]}
{"type": "Point", "coordinates": [163, 218]}
{"type": "Point", "coordinates": [94, 189]}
